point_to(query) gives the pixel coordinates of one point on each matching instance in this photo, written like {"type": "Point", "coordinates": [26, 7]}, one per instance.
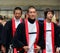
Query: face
{"type": "Point", "coordinates": [17, 14]}
{"type": "Point", "coordinates": [49, 15]}
{"type": "Point", "coordinates": [32, 13]}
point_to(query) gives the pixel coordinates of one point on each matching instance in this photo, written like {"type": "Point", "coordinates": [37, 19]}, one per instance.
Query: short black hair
{"type": "Point", "coordinates": [17, 8]}
{"type": "Point", "coordinates": [30, 7]}
{"type": "Point", "coordinates": [48, 10]}
{"type": "Point", "coordinates": [1, 18]}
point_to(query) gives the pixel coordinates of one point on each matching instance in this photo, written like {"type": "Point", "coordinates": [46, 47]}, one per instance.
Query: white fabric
{"type": "Point", "coordinates": [17, 22]}
{"type": "Point", "coordinates": [32, 37]}
{"type": "Point", "coordinates": [48, 38]}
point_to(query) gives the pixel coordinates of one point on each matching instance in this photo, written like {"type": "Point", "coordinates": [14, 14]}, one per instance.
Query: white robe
{"type": "Point", "coordinates": [48, 38]}
{"type": "Point", "coordinates": [32, 37]}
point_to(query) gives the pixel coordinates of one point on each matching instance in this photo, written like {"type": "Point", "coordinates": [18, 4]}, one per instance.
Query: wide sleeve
{"type": "Point", "coordinates": [6, 34]}
{"type": "Point", "coordinates": [57, 35]}
{"type": "Point", "coordinates": [17, 40]}
{"type": "Point", "coordinates": [41, 41]}
{"type": "Point", "coordinates": [1, 27]}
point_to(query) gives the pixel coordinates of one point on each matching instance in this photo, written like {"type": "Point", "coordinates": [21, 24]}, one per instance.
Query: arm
{"type": "Point", "coordinates": [41, 42]}
{"type": "Point", "coordinates": [17, 43]}
{"type": "Point", "coordinates": [6, 36]}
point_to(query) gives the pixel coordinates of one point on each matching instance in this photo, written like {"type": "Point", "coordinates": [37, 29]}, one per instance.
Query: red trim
{"type": "Point", "coordinates": [52, 35]}
{"type": "Point", "coordinates": [13, 31]}
{"type": "Point", "coordinates": [45, 30]}
{"type": "Point", "coordinates": [52, 26]}
{"type": "Point", "coordinates": [44, 51]}
{"type": "Point", "coordinates": [37, 26]}
{"type": "Point", "coordinates": [26, 28]}
{"type": "Point", "coordinates": [13, 26]}
{"type": "Point", "coordinates": [27, 37]}
{"type": "Point", "coordinates": [37, 35]}
{"type": "Point", "coordinates": [26, 31]}
{"type": "Point", "coordinates": [21, 20]}
{"type": "Point", "coordinates": [15, 51]}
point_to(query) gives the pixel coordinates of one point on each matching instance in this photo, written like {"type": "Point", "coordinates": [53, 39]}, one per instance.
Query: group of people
{"type": "Point", "coordinates": [29, 35]}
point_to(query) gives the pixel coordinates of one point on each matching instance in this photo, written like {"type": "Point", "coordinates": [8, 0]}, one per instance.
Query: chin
{"type": "Point", "coordinates": [17, 18]}
{"type": "Point", "coordinates": [33, 17]}
{"type": "Point", "coordinates": [50, 19]}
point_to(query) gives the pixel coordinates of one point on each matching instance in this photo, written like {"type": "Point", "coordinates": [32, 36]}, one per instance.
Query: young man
{"type": "Point", "coordinates": [28, 36]}
{"type": "Point", "coordinates": [10, 28]}
{"type": "Point", "coordinates": [51, 32]}
{"type": "Point", "coordinates": [1, 27]}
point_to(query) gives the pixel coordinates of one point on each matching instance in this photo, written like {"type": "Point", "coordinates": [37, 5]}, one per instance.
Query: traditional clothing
{"type": "Point", "coordinates": [1, 27]}
{"type": "Point", "coordinates": [51, 35]}
{"type": "Point", "coordinates": [28, 34]}
{"type": "Point", "coordinates": [8, 32]}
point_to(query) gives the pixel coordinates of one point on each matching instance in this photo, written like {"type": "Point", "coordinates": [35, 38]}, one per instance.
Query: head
{"type": "Point", "coordinates": [48, 14]}
{"type": "Point", "coordinates": [1, 17]}
{"type": "Point", "coordinates": [26, 15]}
{"type": "Point", "coordinates": [32, 13]}
{"type": "Point", "coordinates": [17, 12]}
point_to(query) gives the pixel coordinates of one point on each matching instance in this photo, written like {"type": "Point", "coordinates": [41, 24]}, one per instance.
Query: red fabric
{"type": "Point", "coordinates": [44, 51]}
{"type": "Point", "coordinates": [26, 29]}
{"type": "Point", "coordinates": [52, 35]}
{"type": "Point", "coordinates": [14, 30]}
{"type": "Point", "coordinates": [52, 25]}
{"type": "Point", "coordinates": [27, 35]}
{"type": "Point", "coordinates": [37, 26]}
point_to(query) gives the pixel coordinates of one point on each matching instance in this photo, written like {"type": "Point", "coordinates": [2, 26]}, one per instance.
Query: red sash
{"type": "Point", "coordinates": [27, 35]}
{"type": "Point", "coordinates": [52, 35]}
{"type": "Point", "coordinates": [14, 30]}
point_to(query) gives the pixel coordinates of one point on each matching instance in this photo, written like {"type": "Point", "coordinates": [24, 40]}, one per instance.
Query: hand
{"type": "Point", "coordinates": [3, 49]}
{"type": "Point", "coordinates": [37, 49]}
{"type": "Point", "coordinates": [57, 50]}
{"type": "Point", "coordinates": [26, 48]}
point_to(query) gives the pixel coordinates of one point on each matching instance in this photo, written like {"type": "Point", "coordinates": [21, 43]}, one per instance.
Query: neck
{"type": "Point", "coordinates": [48, 20]}
{"type": "Point", "coordinates": [31, 20]}
{"type": "Point", "coordinates": [17, 18]}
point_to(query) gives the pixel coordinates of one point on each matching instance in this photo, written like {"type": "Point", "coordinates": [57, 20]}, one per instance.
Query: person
{"type": "Point", "coordinates": [57, 22]}
{"type": "Point", "coordinates": [51, 33]}
{"type": "Point", "coordinates": [28, 38]}
{"type": "Point", "coordinates": [26, 15]}
{"type": "Point", "coordinates": [1, 19]}
{"type": "Point", "coordinates": [9, 29]}
{"type": "Point", "coordinates": [1, 27]}
{"type": "Point", "coordinates": [41, 19]}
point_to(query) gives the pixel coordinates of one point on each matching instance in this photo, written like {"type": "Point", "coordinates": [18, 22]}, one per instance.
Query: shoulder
{"type": "Point", "coordinates": [21, 25]}
{"type": "Point", "coordinates": [55, 25]}
{"type": "Point", "coordinates": [9, 22]}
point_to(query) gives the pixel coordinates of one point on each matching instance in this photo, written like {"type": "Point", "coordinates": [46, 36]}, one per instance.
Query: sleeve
{"type": "Point", "coordinates": [57, 38]}
{"type": "Point", "coordinates": [41, 41]}
{"type": "Point", "coordinates": [6, 34]}
{"type": "Point", "coordinates": [1, 27]}
{"type": "Point", "coordinates": [17, 40]}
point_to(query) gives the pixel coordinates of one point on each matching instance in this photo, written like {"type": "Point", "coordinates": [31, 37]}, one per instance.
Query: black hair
{"type": "Point", "coordinates": [48, 10]}
{"type": "Point", "coordinates": [30, 8]}
{"type": "Point", "coordinates": [18, 8]}
{"type": "Point", "coordinates": [1, 18]}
